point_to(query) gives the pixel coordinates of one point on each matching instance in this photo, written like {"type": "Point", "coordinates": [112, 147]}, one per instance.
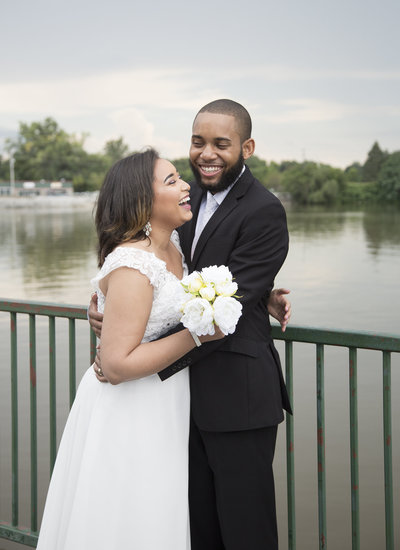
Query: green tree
{"type": "Point", "coordinates": [4, 169]}
{"type": "Point", "coordinates": [373, 164]}
{"type": "Point", "coordinates": [286, 164]}
{"type": "Point", "coordinates": [389, 178]}
{"type": "Point", "coordinates": [311, 183]}
{"type": "Point", "coordinates": [182, 165]}
{"type": "Point", "coordinates": [259, 168]}
{"type": "Point", "coordinates": [42, 150]}
{"type": "Point", "coordinates": [353, 172]}
{"type": "Point", "coordinates": [116, 149]}
{"type": "Point", "coordinates": [91, 175]}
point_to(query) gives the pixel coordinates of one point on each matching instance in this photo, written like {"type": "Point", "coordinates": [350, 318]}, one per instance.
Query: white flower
{"type": "Point", "coordinates": [193, 282]}
{"type": "Point", "coordinates": [209, 301]}
{"type": "Point", "coordinates": [216, 274]}
{"type": "Point", "coordinates": [198, 316]}
{"type": "Point", "coordinates": [226, 288]}
{"type": "Point", "coordinates": [227, 312]}
{"type": "Point", "coordinates": [207, 292]}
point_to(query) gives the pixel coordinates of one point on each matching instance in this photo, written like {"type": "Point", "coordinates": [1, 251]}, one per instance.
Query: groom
{"type": "Point", "coordinates": [237, 387]}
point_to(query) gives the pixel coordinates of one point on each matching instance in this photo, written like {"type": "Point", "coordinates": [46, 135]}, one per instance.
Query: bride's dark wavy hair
{"type": "Point", "coordinates": [125, 202]}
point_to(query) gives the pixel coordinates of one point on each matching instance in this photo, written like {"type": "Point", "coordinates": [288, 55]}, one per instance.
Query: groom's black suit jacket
{"type": "Point", "coordinates": [237, 383]}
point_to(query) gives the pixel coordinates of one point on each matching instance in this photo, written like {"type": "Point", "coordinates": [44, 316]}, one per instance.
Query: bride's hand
{"type": "Point", "coordinates": [218, 335]}
{"type": "Point", "coordinates": [97, 367]}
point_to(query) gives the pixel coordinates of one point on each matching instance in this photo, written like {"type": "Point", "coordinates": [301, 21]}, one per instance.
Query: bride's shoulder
{"type": "Point", "coordinates": [135, 257]}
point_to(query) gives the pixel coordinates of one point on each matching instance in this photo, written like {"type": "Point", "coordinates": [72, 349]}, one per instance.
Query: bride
{"type": "Point", "coordinates": [120, 479]}
{"type": "Point", "coordinates": [121, 476]}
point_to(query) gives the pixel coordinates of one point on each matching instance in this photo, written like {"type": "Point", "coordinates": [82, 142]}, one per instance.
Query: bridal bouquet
{"type": "Point", "coordinates": [210, 300]}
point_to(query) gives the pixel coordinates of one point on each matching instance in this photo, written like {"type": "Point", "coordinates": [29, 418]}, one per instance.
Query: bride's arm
{"type": "Point", "coordinates": [127, 309]}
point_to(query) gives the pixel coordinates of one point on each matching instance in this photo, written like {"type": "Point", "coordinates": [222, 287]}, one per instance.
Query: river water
{"type": "Point", "coordinates": [343, 270]}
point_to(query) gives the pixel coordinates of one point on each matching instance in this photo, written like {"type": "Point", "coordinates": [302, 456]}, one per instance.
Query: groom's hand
{"type": "Point", "coordinates": [95, 318]}
{"type": "Point", "coordinates": [279, 306]}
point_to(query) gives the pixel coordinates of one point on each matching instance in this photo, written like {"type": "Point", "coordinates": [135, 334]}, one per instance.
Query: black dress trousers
{"type": "Point", "coordinates": [231, 489]}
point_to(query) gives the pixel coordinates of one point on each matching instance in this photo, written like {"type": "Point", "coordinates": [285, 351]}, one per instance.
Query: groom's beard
{"type": "Point", "coordinates": [226, 180]}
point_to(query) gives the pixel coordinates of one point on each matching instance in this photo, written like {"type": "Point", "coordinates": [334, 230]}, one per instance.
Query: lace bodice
{"type": "Point", "coordinates": [165, 312]}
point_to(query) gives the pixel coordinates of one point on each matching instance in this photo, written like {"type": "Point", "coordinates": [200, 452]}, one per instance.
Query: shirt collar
{"type": "Point", "coordinates": [219, 197]}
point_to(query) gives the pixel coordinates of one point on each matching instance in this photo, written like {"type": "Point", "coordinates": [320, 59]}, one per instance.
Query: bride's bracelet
{"type": "Point", "coordinates": [195, 338]}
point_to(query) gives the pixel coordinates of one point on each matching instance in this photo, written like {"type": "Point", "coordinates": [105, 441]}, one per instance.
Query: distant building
{"type": "Point", "coordinates": [32, 188]}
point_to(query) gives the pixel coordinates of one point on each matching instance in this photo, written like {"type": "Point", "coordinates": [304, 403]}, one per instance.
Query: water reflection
{"type": "Point", "coordinates": [315, 222]}
{"type": "Point", "coordinates": [44, 252]}
{"type": "Point", "coordinates": [50, 254]}
{"type": "Point", "coordinates": [381, 225]}
{"type": "Point", "coordinates": [53, 246]}
{"type": "Point", "coordinates": [382, 228]}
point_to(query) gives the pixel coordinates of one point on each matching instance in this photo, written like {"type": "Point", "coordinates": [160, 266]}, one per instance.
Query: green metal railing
{"type": "Point", "coordinates": [353, 341]}
{"type": "Point", "coordinates": [13, 531]}
{"type": "Point", "coordinates": [320, 338]}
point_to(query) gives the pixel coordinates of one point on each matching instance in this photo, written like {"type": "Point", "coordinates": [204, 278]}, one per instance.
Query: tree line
{"type": "Point", "coordinates": [44, 151]}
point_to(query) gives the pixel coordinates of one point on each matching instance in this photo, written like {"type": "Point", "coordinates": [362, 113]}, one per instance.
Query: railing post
{"type": "Point", "coordinates": [52, 389]}
{"type": "Point", "coordinates": [72, 361]}
{"type": "Point", "coordinates": [321, 448]}
{"type": "Point", "coordinates": [33, 415]}
{"type": "Point", "coordinates": [290, 450]}
{"type": "Point", "coordinates": [93, 345]}
{"type": "Point", "coordinates": [14, 417]}
{"type": "Point", "coordinates": [353, 397]}
{"type": "Point", "coordinates": [387, 446]}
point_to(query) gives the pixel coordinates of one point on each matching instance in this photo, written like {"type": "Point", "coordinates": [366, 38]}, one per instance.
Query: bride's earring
{"type": "Point", "coordinates": [147, 229]}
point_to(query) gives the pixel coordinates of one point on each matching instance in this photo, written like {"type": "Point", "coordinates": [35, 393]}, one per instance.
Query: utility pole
{"type": "Point", "coordinates": [12, 175]}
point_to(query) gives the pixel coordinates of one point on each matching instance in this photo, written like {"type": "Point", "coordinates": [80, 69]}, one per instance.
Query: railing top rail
{"type": "Point", "coordinates": [43, 308]}
{"type": "Point", "coordinates": [312, 335]}
{"type": "Point", "coordinates": [344, 338]}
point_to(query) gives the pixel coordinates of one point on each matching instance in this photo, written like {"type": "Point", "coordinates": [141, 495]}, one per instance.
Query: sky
{"type": "Point", "coordinates": [320, 79]}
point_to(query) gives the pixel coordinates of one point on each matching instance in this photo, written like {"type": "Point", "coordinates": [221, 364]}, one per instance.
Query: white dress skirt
{"type": "Point", "coordinates": [120, 480]}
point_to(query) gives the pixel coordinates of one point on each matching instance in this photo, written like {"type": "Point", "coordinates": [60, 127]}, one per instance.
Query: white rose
{"type": "Point", "coordinates": [226, 288]}
{"type": "Point", "coordinates": [207, 292]}
{"type": "Point", "coordinates": [198, 316]}
{"type": "Point", "coordinates": [193, 282]}
{"type": "Point", "coordinates": [216, 274]}
{"type": "Point", "coordinates": [227, 312]}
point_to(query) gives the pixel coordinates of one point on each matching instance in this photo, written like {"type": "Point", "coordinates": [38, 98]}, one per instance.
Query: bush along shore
{"type": "Point", "coordinates": [43, 152]}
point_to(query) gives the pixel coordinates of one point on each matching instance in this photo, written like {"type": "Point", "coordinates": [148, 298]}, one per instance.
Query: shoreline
{"type": "Point", "coordinates": [83, 200]}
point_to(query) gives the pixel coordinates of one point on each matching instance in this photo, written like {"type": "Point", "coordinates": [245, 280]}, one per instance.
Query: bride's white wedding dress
{"type": "Point", "coordinates": [120, 480]}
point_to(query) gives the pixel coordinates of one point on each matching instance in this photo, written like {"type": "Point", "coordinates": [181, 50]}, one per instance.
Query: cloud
{"type": "Point", "coordinates": [165, 89]}
{"type": "Point", "coordinates": [112, 104]}
{"type": "Point", "coordinates": [129, 123]}
{"type": "Point", "coordinates": [155, 105]}
{"type": "Point", "coordinates": [311, 110]}
{"type": "Point", "coordinates": [137, 131]}
{"type": "Point", "coordinates": [287, 73]}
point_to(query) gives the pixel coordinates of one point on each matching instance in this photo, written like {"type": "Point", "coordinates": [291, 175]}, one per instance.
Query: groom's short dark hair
{"type": "Point", "coordinates": [231, 108]}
